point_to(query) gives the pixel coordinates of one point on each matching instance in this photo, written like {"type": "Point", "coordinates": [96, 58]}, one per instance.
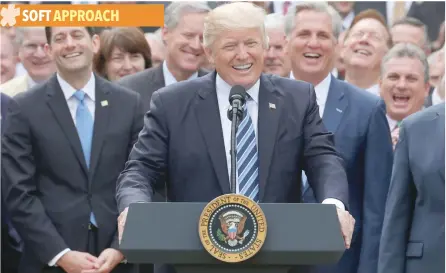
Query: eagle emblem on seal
{"type": "Point", "coordinates": [232, 225]}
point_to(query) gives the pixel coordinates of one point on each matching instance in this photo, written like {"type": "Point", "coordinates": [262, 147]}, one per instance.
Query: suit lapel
{"type": "Point", "coordinates": [202, 72]}
{"type": "Point", "coordinates": [157, 81]}
{"type": "Point", "coordinates": [335, 106]}
{"type": "Point", "coordinates": [209, 122]}
{"type": "Point", "coordinates": [101, 119]}
{"type": "Point", "coordinates": [58, 105]}
{"type": "Point", "coordinates": [268, 123]}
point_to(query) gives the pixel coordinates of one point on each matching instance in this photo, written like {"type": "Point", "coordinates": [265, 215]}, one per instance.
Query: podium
{"type": "Point", "coordinates": [167, 233]}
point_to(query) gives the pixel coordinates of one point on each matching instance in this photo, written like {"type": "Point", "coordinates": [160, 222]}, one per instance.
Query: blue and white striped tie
{"type": "Point", "coordinates": [247, 158]}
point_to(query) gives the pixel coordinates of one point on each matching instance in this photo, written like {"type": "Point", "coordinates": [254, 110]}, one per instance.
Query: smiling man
{"type": "Point", "coordinates": [276, 58]}
{"type": "Point", "coordinates": [366, 42]}
{"type": "Point", "coordinates": [404, 83]}
{"type": "Point", "coordinates": [184, 55]}
{"type": "Point", "coordinates": [358, 121]}
{"type": "Point", "coordinates": [186, 136]}
{"type": "Point", "coordinates": [58, 178]}
{"type": "Point", "coordinates": [37, 63]}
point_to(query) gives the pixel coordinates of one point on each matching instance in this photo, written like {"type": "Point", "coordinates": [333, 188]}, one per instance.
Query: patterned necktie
{"type": "Point", "coordinates": [247, 158]}
{"type": "Point", "coordinates": [85, 125]}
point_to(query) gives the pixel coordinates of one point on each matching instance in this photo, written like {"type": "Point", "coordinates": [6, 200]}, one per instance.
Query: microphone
{"type": "Point", "coordinates": [237, 99]}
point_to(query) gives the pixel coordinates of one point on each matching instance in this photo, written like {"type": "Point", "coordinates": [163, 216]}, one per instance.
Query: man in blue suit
{"type": "Point", "coordinates": [11, 246]}
{"type": "Point", "coordinates": [186, 134]}
{"type": "Point", "coordinates": [413, 232]}
{"type": "Point", "coordinates": [358, 121]}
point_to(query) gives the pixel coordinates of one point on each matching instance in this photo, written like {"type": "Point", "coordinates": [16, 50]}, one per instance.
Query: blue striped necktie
{"type": "Point", "coordinates": [247, 158]}
{"type": "Point", "coordinates": [85, 125]}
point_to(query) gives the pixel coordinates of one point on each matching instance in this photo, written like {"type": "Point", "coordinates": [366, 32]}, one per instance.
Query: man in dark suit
{"type": "Point", "coordinates": [358, 121]}
{"type": "Point", "coordinates": [11, 243]}
{"type": "Point", "coordinates": [413, 233]}
{"type": "Point", "coordinates": [187, 132]}
{"type": "Point", "coordinates": [182, 33]}
{"type": "Point", "coordinates": [65, 142]}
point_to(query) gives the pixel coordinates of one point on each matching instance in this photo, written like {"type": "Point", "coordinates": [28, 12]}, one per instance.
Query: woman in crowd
{"type": "Point", "coordinates": [123, 51]}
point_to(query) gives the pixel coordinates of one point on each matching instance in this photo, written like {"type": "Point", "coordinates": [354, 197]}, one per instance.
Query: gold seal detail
{"type": "Point", "coordinates": [232, 228]}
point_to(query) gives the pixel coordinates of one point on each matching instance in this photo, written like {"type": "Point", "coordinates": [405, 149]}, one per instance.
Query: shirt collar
{"type": "Point", "coordinates": [392, 123]}
{"type": "Point", "coordinates": [30, 81]}
{"type": "Point", "coordinates": [170, 79]}
{"type": "Point", "coordinates": [225, 89]}
{"type": "Point", "coordinates": [348, 20]}
{"type": "Point", "coordinates": [321, 89]}
{"type": "Point", "coordinates": [69, 91]}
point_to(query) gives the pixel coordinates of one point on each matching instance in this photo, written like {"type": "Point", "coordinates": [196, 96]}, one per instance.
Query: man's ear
{"type": "Point", "coordinates": [164, 34]}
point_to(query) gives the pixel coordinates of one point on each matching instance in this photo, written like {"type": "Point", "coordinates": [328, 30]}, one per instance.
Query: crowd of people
{"type": "Point", "coordinates": [93, 120]}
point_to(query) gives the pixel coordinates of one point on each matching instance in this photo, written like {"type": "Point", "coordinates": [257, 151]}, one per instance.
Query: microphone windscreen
{"type": "Point", "coordinates": [237, 92]}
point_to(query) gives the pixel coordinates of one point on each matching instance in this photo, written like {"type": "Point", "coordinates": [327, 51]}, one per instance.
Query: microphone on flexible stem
{"type": "Point", "coordinates": [237, 99]}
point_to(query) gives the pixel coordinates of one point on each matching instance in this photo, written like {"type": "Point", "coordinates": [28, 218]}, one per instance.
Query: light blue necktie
{"type": "Point", "coordinates": [247, 158]}
{"type": "Point", "coordinates": [85, 125]}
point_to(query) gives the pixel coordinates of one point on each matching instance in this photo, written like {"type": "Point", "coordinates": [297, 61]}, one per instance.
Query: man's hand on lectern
{"type": "Point", "coordinates": [121, 222]}
{"type": "Point", "coordinates": [347, 226]}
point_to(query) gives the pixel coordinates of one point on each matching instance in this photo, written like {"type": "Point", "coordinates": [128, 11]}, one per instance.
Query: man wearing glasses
{"type": "Point", "coordinates": [38, 64]}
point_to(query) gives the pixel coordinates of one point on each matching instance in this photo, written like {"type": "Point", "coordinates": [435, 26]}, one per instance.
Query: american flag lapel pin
{"type": "Point", "coordinates": [272, 106]}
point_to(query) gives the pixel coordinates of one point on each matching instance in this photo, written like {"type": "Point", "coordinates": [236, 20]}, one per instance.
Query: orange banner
{"type": "Point", "coordinates": [106, 15]}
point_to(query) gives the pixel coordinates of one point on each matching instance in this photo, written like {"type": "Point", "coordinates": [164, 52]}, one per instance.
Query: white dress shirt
{"type": "Point", "coordinates": [374, 89]}
{"type": "Point", "coordinates": [321, 92]}
{"type": "Point", "coordinates": [436, 99]}
{"type": "Point", "coordinates": [348, 20]}
{"type": "Point", "coordinates": [30, 81]}
{"type": "Point", "coordinates": [392, 123]}
{"type": "Point", "coordinates": [73, 103]}
{"type": "Point", "coordinates": [170, 79]}
{"type": "Point", "coordinates": [20, 70]}
{"type": "Point", "coordinates": [223, 90]}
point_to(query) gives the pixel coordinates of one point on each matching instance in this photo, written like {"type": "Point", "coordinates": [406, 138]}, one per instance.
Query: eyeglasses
{"type": "Point", "coordinates": [371, 35]}
{"type": "Point", "coordinates": [32, 48]}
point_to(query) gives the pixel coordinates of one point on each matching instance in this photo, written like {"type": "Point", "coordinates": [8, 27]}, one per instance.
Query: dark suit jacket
{"type": "Point", "coordinates": [145, 83]}
{"type": "Point", "coordinates": [431, 13]}
{"type": "Point", "coordinates": [10, 245]}
{"type": "Point", "coordinates": [148, 81]}
{"type": "Point", "coordinates": [413, 233]}
{"type": "Point", "coordinates": [46, 184]}
{"type": "Point", "coordinates": [182, 138]}
{"type": "Point", "coordinates": [379, 6]}
{"type": "Point", "coordinates": [362, 136]}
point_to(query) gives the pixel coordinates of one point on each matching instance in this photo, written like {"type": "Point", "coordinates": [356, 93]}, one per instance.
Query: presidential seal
{"type": "Point", "coordinates": [232, 228]}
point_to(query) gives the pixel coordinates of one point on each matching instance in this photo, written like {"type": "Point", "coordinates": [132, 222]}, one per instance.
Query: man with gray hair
{"type": "Point", "coordinates": [36, 61]}
{"type": "Point", "coordinates": [182, 35]}
{"type": "Point", "coordinates": [358, 121]}
{"type": "Point", "coordinates": [276, 57]}
{"type": "Point", "coordinates": [186, 134]}
{"type": "Point", "coordinates": [404, 84]}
